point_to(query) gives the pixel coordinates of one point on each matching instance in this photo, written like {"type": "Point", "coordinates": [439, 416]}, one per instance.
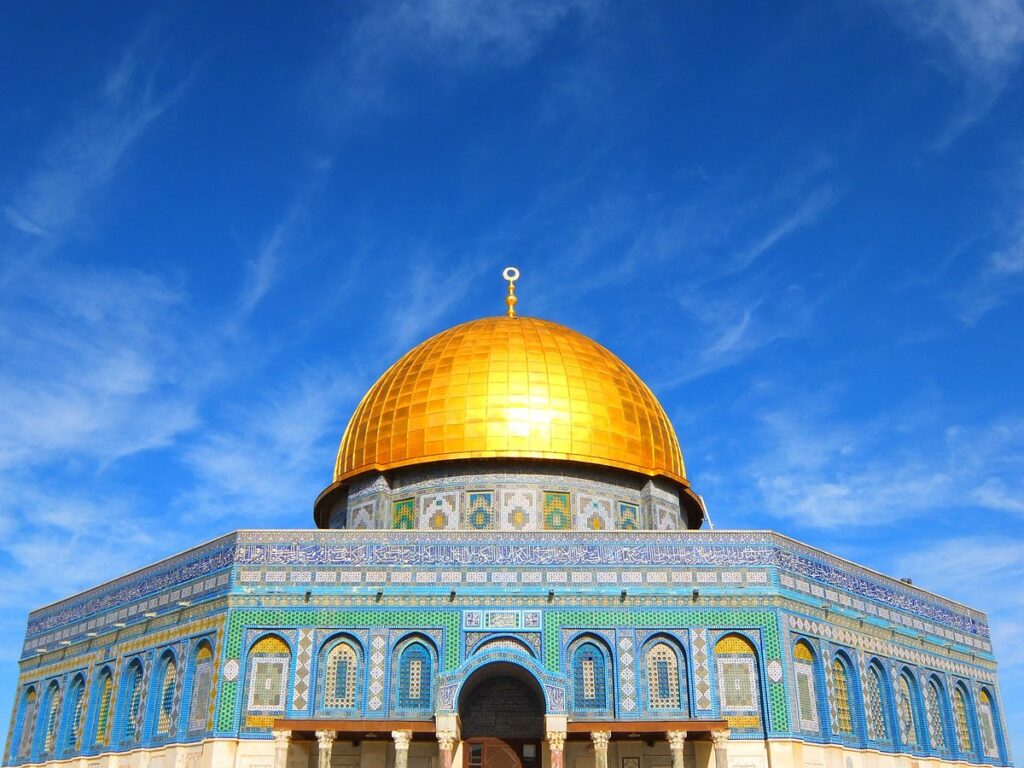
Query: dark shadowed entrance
{"type": "Point", "coordinates": [502, 712]}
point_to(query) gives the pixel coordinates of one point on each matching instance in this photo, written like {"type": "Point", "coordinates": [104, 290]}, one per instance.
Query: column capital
{"type": "Point", "coordinates": [600, 739]}
{"type": "Point", "coordinates": [720, 737]}
{"type": "Point", "coordinates": [326, 738]}
{"type": "Point", "coordinates": [676, 739]}
{"type": "Point", "coordinates": [446, 739]}
{"type": "Point", "coordinates": [402, 739]}
{"type": "Point", "coordinates": [282, 737]}
{"type": "Point", "coordinates": [556, 740]}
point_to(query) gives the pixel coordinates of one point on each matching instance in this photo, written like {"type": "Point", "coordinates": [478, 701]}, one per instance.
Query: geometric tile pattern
{"type": "Point", "coordinates": [403, 513]}
{"type": "Point", "coordinates": [438, 512]}
{"type": "Point", "coordinates": [303, 664]}
{"type": "Point", "coordinates": [520, 510]}
{"type": "Point", "coordinates": [556, 511]}
{"type": "Point", "coordinates": [701, 675]}
{"type": "Point", "coordinates": [627, 673]}
{"type": "Point", "coordinates": [592, 513]}
{"type": "Point", "coordinates": [480, 514]}
{"type": "Point", "coordinates": [378, 646]}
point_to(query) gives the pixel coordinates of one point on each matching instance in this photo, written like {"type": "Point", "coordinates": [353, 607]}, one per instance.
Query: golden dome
{"type": "Point", "coordinates": [510, 387]}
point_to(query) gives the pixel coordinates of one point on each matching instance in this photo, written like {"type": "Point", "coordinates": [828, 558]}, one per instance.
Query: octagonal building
{"type": "Point", "coordinates": [510, 570]}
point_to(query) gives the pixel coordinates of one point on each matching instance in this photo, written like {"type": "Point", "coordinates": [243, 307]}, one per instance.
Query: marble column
{"type": "Point", "coordinates": [676, 742]}
{"type": "Point", "coordinates": [402, 739]}
{"type": "Point", "coordinates": [556, 743]}
{"type": "Point", "coordinates": [446, 746]}
{"type": "Point", "coordinates": [325, 742]}
{"type": "Point", "coordinates": [720, 739]}
{"type": "Point", "coordinates": [281, 741]}
{"type": "Point", "coordinates": [600, 739]}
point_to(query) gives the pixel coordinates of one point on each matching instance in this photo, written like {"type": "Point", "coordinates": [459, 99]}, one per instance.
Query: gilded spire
{"type": "Point", "coordinates": [511, 274]}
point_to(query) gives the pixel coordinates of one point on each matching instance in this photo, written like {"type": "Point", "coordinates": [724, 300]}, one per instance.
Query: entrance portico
{"type": "Point", "coordinates": [377, 737]}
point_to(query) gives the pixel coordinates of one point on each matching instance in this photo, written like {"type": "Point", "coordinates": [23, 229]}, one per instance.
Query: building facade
{"type": "Point", "coordinates": [510, 572]}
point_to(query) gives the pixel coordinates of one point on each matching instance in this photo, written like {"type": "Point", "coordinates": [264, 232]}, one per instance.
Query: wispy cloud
{"type": "Point", "coordinates": [429, 291]}
{"type": "Point", "coordinates": [821, 472]}
{"type": "Point", "coordinates": [1000, 279]}
{"type": "Point", "coordinates": [983, 40]}
{"type": "Point", "coordinates": [263, 270]}
{"type": "Point", "coordinates": [360, 75]}
{"type": "Point", "coordinates": [269, 453]}
{"type": "Point", "coordinates": [80, 161]}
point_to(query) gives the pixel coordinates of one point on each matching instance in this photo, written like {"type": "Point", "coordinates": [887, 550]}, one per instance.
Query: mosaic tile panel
{"type": "Point", "coordinates": [592, 513]}
{"type": "Point", "coordinates": [557, 516]}
{"type": "Point", "coordinates": [303, 663]}
{"type": "Point", "coordinates": [403, 514]}
{"type": "Point", "coordinates": [480, 513]}
{"type": "Point", "coordinates": [628, 516]}
{"type": "Point", "coordinates": [378, 670]}
{"type": "Point", "coordinates": [701, 675]}
{"type": "Point", "coordinates": [627, 672]}
{"type": "Point", "coordinates": [520, 510]}
{"type": "Point", "coordinates": [363, 516]}
{"type": "Point", "coordinates": [438, 511]}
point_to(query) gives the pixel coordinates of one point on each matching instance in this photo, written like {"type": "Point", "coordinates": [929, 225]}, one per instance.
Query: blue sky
{"type": "Point", "coordinates": [801, 223]}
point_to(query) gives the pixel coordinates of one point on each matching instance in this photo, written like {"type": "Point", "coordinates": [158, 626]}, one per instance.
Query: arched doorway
{"type": "Point", "coordinates": [501, 708]}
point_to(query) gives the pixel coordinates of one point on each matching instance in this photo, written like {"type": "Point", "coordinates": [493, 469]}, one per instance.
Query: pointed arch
{"type": "Point", "coordinates": [988, 723]}
{"type": "Point", "coordinates": [201, 687]}
{"type": "Point", "coordinates": [876, 702]}
{"type": "Point", "coordinates": [807, 675]}
{"type": "Point", "coordinates": [75, 714]}
{"type": "Point", "coordinates": [937, 714]}
{"type": "Point", "coordinates": [665, 675]}
{"type": "Point", "coordinates": [842, 694]}
{"type": "Point", "coordinates": [165, 688]}
{"type": "Point", "coordinates": [414, 675]}
{"type": "Point", "coordinates": [739, 681]}
{"type": "Point", "coordinates": [961, 719]}
{"type": "Point", "coordinates": [26, 726]}
{"type": "Point", "coordinates": [907, 707]}
{"type": "Point", "coordinates": [47, 738]}
{"type": "Point", "coordinates": [341, 659]}
{"type": "Point", "coordinates": [268, 668]}
{"type": "Point", "coordinates": [104, 706]}
{"type": "Point", "coordinates": [590, 665]}
{"type": "Point", "coordinates": [130, 725]}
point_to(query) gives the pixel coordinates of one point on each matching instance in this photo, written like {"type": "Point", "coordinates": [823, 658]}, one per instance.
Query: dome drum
{"type": "Point", "coordinates": [506, 494]}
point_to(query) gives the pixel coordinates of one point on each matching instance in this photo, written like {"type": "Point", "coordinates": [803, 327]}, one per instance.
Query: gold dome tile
{"type": "Point", "coordinates": [510, 387]}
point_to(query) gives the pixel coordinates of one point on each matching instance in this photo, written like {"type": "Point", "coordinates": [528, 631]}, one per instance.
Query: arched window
{"type": "Point", "coordinates": [986, 724]}
{"type": "Point", "coordinates": [906, 703]}
{"type": "Point", "coordinates": [27, 724]}
{"type": "Point", "coordinates": [202, 687]}
{"type": "Point", "coordinates": [131, 703]}
{"type": "Point", "coordinates": [874, 704]}
{"type": "Point", "coordinates": [51, 709]}
{"type": "Point", "coordinates": [415, 677]}
{"type": "Point", "coordinates": [167, 685]}
{"type": "Point", "coordinates": [805, 673]}
{"type": "Point", "coordinates": [269, 663]}
{"type": "Point", "coordinates": [341, 676]}
{"type": "Point", "coordinates": [589, 677]}
{"type": "Point", "coordinates": [934, 707]}
{"type": "Point", "coordinates": [960, 722]}
{"type": "Point", "coordinates": [666, 677]}
{"type": "Point", "coordinates": [106, 697]}
{"type": "Point", "coordinates": [76, 714]}
{"type": "Point", "coordinates": [739, 688]}
{"type": "Point", "coordinates": [843, 721]}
